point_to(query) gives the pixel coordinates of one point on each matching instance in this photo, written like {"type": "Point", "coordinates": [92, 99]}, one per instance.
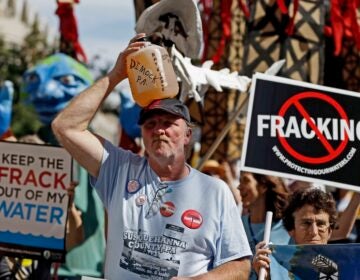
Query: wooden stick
{"type": "Point", "coordinates": [224, 131]}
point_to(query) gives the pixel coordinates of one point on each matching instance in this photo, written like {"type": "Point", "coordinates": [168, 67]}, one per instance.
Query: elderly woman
{"type": "Point", "coordinates": [310, 218]}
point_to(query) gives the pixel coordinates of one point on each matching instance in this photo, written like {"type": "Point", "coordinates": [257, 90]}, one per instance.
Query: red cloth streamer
{"type": "Point", "coordinates": [291, 25]}
{"type": "Point", "coordinates": [244, 8]}
{"type": "Point", "coordinates": [226, 29]}
{"type": "Point", "coordinates": [282, 6]}
{"type": "Point", "coordinates": [226, 25]}
{"type": "Point", "coordinates": [206, 4]}
{"type": "Point", "coordinates": [343, 23]}
{"type": "Point", "coordinates": [285, 11]}
{"type": "Point", "coordinates": [68, 28]}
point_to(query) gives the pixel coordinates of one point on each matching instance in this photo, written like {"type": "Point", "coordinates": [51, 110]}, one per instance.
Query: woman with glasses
{"type": "Point", "coordinates": [310, 218]}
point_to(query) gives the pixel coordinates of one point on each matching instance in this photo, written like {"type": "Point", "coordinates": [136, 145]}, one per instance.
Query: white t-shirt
{"type": "Point", "coordinates": [156, 229]}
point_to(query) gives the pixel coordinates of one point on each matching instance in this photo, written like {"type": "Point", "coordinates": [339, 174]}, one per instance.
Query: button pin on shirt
{"type": "Point", "coordinates": [141, 200]}
{"type": "Point", "coordinates": [132, 186]}
{"type": "Point", "coordinates": [192, 219]}
{"type": "Point", "coordinates": [167, 209]}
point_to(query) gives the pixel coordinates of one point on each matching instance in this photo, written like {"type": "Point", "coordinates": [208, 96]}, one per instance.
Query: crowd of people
{"type": "Point", "coordinates": [164, 218]}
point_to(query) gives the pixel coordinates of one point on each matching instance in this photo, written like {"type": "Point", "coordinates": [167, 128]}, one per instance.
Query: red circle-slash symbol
{"type": "Point", "coordinates": [192, 219]}
{"type": "Point", "coordinates": [331, 151]}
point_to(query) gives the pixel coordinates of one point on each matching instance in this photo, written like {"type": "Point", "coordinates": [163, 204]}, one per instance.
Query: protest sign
{"type": "Point", "coordinates": [303, 131]}
{"type": "Point", "coordinates": [33, 200]}
{"type": "Point", "coordinates": [332, 261]}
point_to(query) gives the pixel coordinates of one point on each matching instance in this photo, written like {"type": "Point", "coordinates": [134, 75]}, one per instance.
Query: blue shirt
{"type": "Point", "coordinates": [165, 228]}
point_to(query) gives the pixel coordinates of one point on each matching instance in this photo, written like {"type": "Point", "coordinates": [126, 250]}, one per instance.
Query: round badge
{"type": "Point", "coordinates": [46, 254]}
{"type": "Point", "coordinates": [167, 209]}
{"type": "Point", "coordinates": [141, 199]}
{"type": "Point", "coordinates": [132, 186]}
{"type": "Point", "coordinates": [192, 219]}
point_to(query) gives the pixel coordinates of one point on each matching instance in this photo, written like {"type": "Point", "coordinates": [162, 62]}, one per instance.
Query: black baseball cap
{"type": "Point", "coordinates": [168, 105]}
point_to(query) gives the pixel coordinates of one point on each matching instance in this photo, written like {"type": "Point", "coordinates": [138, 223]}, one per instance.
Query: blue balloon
{"type": "Point", "coordinates": [6, 100]}
{"type": "Point", "coordinates": [53, 82]}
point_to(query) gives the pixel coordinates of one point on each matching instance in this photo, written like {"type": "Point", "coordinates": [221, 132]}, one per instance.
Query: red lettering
{"type": "Point", "coordinates": [15, 174]}
{"type": "Point", "coordinates": [58, 180]}
{"type": "Point", "coordinates": [45, 179]}
{"type": "Point", "coordinates": [41, 181]}
{"type": "Point", "coordinates": [30, 178]}
{"type": "Point", "coordinates": [3, 174]}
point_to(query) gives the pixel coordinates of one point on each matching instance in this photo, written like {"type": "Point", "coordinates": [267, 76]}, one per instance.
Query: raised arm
{"type": "Point", "coordinates": [71, 125]}
{"type": "Point", "coordinates": [347, 219]}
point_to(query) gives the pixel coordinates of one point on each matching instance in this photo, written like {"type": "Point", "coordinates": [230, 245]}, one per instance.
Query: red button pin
{"type": "Point", "coordinates": [167, 209]}
{"type": "Point", "coordinates": [192, 219]}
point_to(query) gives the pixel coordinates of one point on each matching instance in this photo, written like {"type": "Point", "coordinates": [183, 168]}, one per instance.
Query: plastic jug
{"type": "Point", "coordinates": [151, 75]}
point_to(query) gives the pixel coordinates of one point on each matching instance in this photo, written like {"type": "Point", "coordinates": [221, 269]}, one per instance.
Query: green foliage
{"type": "Point", "coordinates": [24, 120]}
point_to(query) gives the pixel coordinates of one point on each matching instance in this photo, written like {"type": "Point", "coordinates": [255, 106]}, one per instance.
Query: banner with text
{"type": "Point", "coordinates": [33, 200]}
{"type": "Point", "coordinates": [303, 131]}
{"type": "Point", "coordinates": [333, 261]}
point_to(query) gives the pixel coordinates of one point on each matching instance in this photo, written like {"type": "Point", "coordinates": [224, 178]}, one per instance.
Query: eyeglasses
{"type": "Point", "coordinates": [156, 201]}
{"type": "Point", "coordinates": [322, 226]}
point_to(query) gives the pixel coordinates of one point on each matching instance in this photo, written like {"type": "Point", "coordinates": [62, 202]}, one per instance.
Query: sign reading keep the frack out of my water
{"type": "Point", "coordinates": [33, 200]}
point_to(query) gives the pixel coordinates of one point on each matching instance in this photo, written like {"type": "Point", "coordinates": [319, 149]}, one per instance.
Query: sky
{"type": "Point", "coordinates": [105, 26]}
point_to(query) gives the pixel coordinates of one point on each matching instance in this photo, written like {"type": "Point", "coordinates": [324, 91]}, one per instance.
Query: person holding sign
{"type": "Point", "coordinates": [310, 218]}
{"type": "Point", "coordinates": [166, 219]}
{"type": "Point", "coordinates": [262, 193]}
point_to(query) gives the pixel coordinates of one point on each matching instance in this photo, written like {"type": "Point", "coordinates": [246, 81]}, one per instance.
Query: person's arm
{"type": "Point", "coordinates": [75, 231]}
{"type": "Point", "coordinates": [347, 219]}
{"type": "Point", "coordinates": [71, 125]}
{"type": "Point", "coordinates": [74, 228]}
{"type": "Point", "coordinates": [229, 180]}
{"type": "Point", "coordinates": [233, 270]}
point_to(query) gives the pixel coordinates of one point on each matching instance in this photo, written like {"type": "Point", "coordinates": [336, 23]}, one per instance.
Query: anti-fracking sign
{"type": "Point", "coordinates": [303, 131]}
{"type": "Point", "coordinates": [33, 200]}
